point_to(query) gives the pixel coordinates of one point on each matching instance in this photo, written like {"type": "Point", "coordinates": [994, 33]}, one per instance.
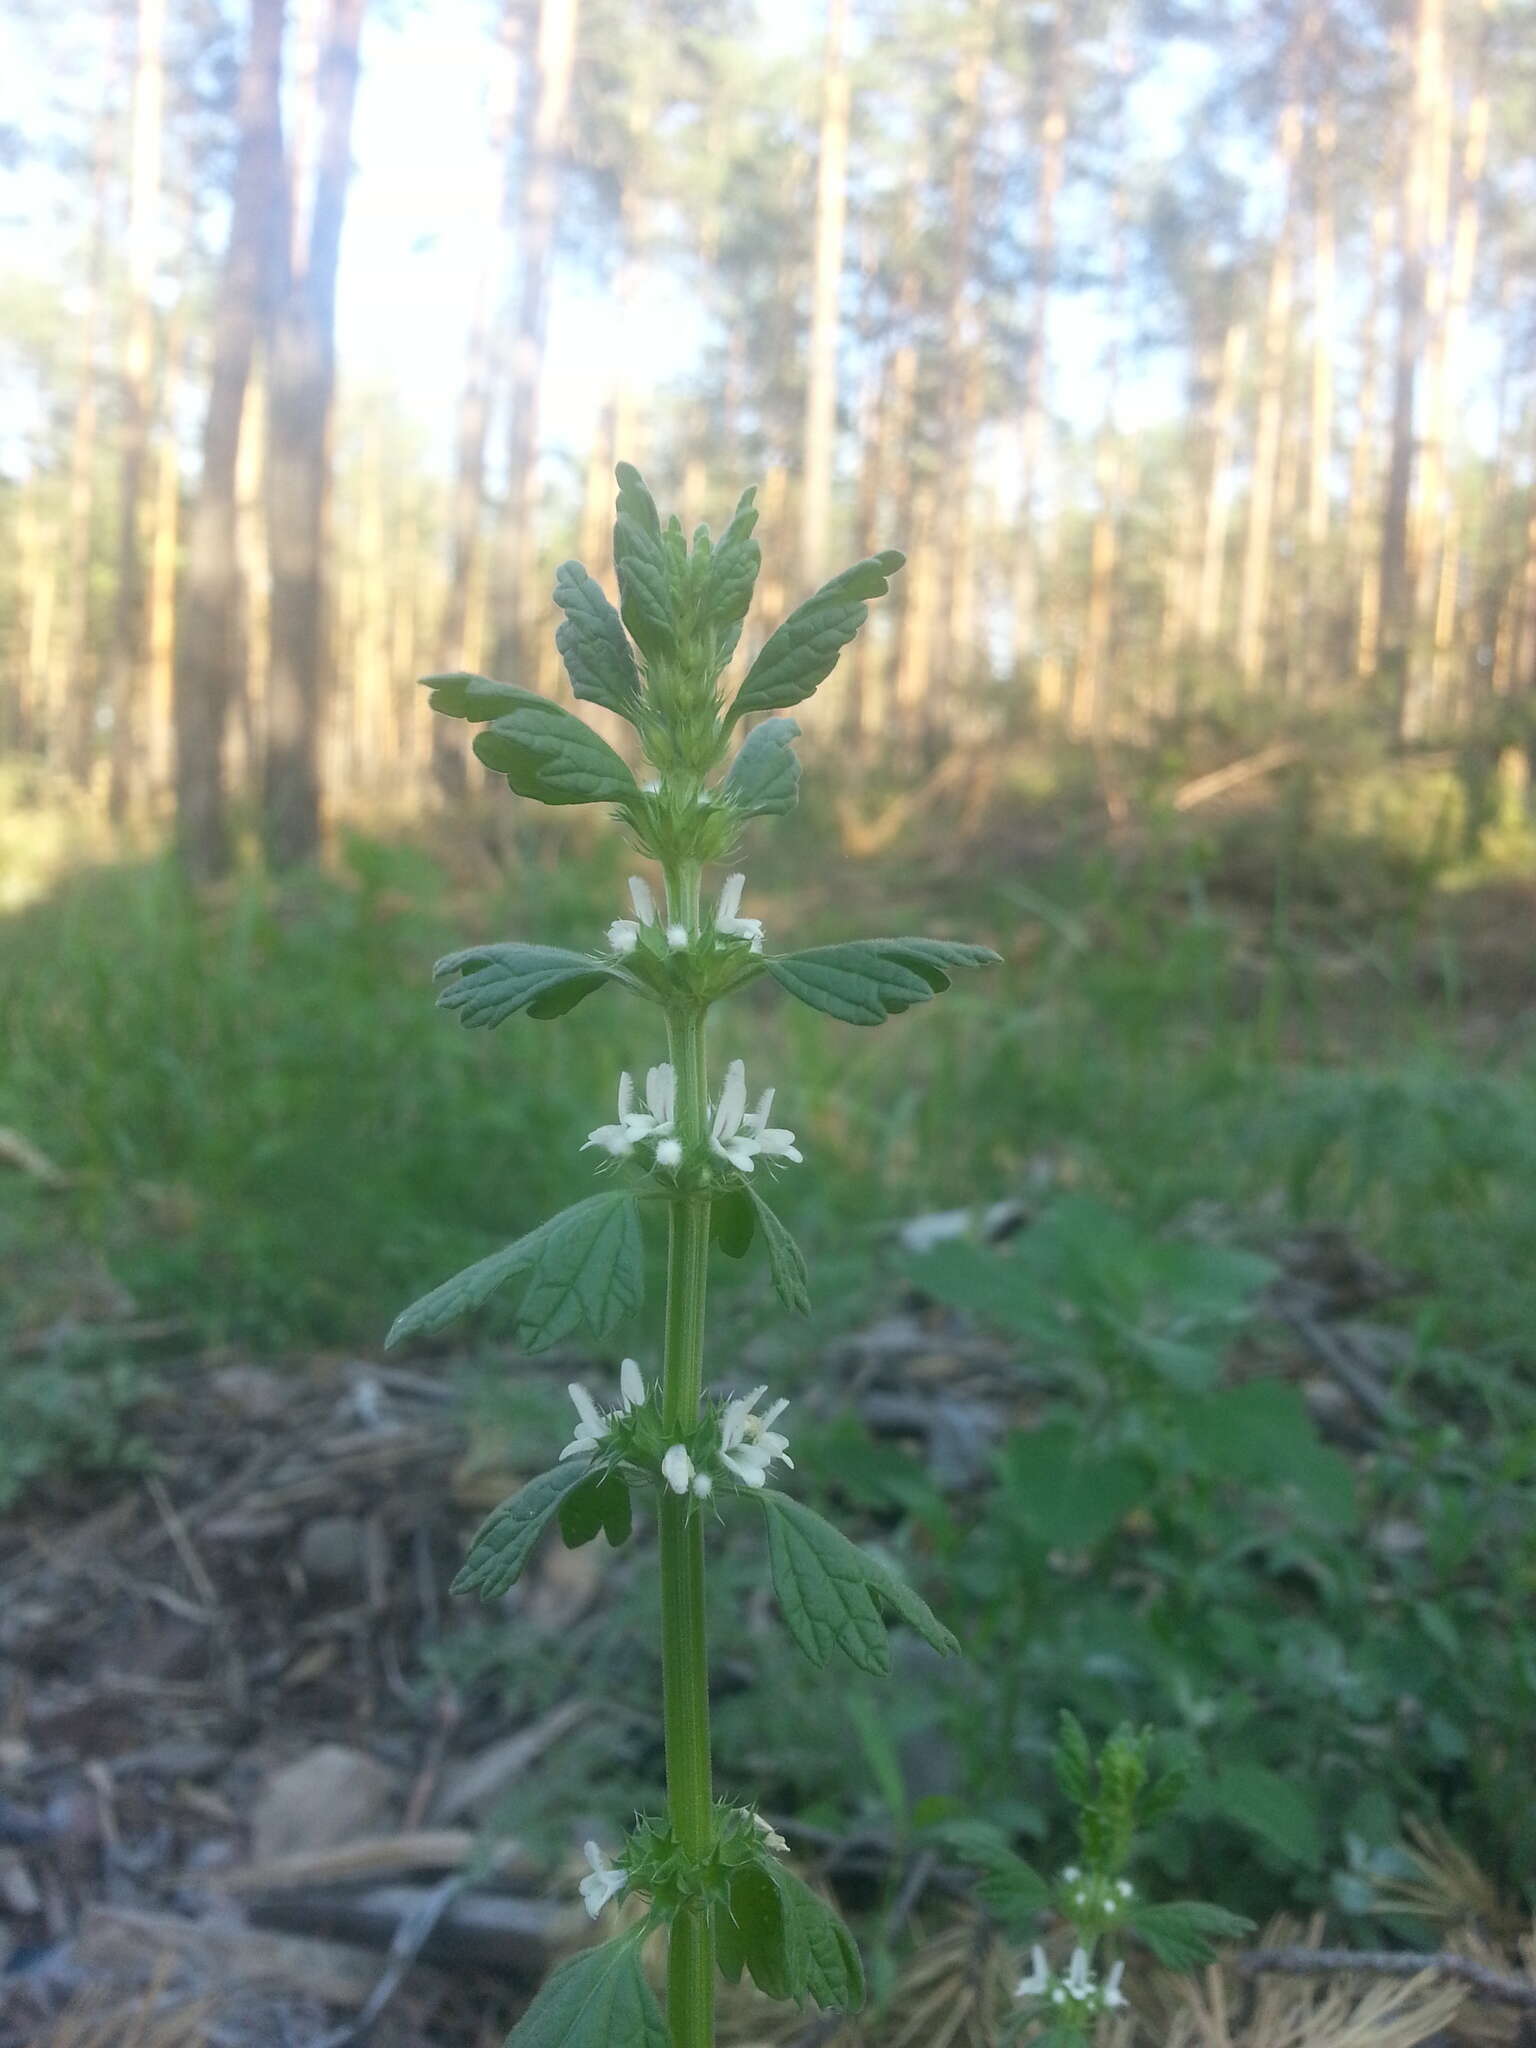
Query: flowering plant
{"type": "Point", "coordinates": [712, 1873]}
{"type": "Point", "coordinates": [1116, 1794]}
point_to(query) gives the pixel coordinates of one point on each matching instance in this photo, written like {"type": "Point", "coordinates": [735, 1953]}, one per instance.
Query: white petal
{"type": "Point", "coordinates": [586, 1407]}
{"type": "Point", "coordinates": [640, 896]}
{"type": "Point", "coordinates": [1113, 1995]}
{"type": "Point", "coordinates": [677, 938]}
{"type": "Point", "coordinates": [612, 1138]}
{"type": "Point", "coordinates": [733, 1101]}
{"type": "Point", "coordinates": [623, 935]}
{"type": "Point", "coordinates": [763, 1111]}
{"type": "Point", "coordinates": [626, 1095]}
{"type": "Point", "coordinates": [730, 898]}
{"type": "Point", "coordinates": [661, 1093]}
{"type": "Point", "coordinates": [749, 1474]}
{"type": "Point", "coordinates": [677, 1469]}
{"type": "Point", "coordinates": [669, 1153]}
{"type": "Point", "coordinates": [703, 1485]}
{"type": "Point", "coordinates": [632, 1383]}
{"type": "Point", "coordinates": [775, 1409]}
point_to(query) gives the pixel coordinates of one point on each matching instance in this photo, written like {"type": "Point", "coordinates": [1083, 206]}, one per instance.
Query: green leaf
{"type": "Point", "coordinates": [1282, 1810]}
{"type": "Point", "coordinates": [730, 1951]}
{"type": "Point", "coordinates": [601, 1502]}
{"type": "Point", "coordinates": [826, 1587]}
{"type": "Point", "coordinates": [794, 1945]}
{"type": "Point", "coordinates": [497, 981]}
{"type": "Point", "coordinates": [599, 1999]}
{"type": "Point", "coordinates": [764, 781]}
{"type": "Point", "coordinates": [1072, 1759]}
{"type": "Point", "coordinates": [1182, 1935]}
{"type": "Point", "coordinates": [546, 753]}
{"type": "Point", "coordinates": [733, 1222]}
{"type": "Point", "coordinates": [732, 574]}
{"type": "Point", "coordinates": [475, 698]}
{"type": "Point", "coordinates": [641, 562]}
{"type": "Point", "coordinates": [584, 1263]}
{"type": "Point", "coordinates": [802, 653]}
{"type": "Point", "coordinates": [589, 1270]}
{"type": "Point", "coordinates": [1065, 1494]}
{"type": "Point", "coordinates": [505, 1540]}
{"type": "Point", "coordinates": [1010, 1886]}
{"type": "Point", "coordinates": [867, 980]}
{"type": "Point", "coordinates": [786, 1261]}
{"type": "Point", "coordinates": [592, 645]}
{"type": "Point", "coordinates": [1262, 1433]}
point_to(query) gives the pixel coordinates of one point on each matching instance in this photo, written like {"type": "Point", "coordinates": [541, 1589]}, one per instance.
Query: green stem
{"type": "Point", "coordinates": [684, 1658]}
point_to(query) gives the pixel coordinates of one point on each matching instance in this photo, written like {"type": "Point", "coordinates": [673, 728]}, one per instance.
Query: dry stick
{"type": "Point", "coordinates": [1303, 1962]}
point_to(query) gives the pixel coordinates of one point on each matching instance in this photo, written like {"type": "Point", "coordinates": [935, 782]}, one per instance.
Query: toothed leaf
{"type": "Point", "coordinates": [592, 645]}
{"type": "Point", "coordinates": [495, 982]}
{"type": "Point", "coordinates": [505, 1540]}
{"type": "Point", "coordinates": [546, 753]}
{"type": "Point", "coordinates": [764, 781]}
{"type": "Point", "coordinates": [864, 981]}
{"type": "Point", "coordinates": [797, 658]}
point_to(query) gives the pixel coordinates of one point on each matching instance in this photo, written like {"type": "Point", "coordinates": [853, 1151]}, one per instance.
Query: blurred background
{"type": "Point", "coordinates": [1172, 1296]}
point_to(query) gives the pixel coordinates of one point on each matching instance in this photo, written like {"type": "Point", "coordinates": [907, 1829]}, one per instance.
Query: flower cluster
{"type": "Point", "coordinates": [625, 934]}
{"type": "Point", "coordinates": [737, 1135]}
{"type": "Point", "coordinates": [1075, 1991]}
{"type": "Point", "coordinates": [1085, 1895]}
{"type": "Point", "coordinates": [748, 1447]}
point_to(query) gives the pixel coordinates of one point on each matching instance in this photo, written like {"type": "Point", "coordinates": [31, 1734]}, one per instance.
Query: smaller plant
{"type": "Point", "coordinates": [1117, 1796]}
{"type": "Point", "coordinates": [72, 1414]}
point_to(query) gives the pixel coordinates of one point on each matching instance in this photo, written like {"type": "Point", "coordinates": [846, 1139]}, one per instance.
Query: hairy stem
{"type": "Point", "coordinates": [685, 1667]}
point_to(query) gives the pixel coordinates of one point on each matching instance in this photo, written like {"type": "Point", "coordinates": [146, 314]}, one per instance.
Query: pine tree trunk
{"type": "Point", "coordinates": [1364, 558]}
{"type": "Point", "coordinates": [300, 392]}
{"type": "Point", "coordinates": [467, 505]}
{"type": "Point", "coordinates": [71, 738]}
{"type": "Point", "coordinates": [826, 291]}
{"type": "Point", "coordinates": [1218, 510]}
{"type": "Point", "coordinates": [1052, 160]}
{"type": "Point", "coordinates": [129, 648]}
{"type": "Point", "coordinates": [209, 637]}
{"type": "Point", "coordinates": [543, 121]}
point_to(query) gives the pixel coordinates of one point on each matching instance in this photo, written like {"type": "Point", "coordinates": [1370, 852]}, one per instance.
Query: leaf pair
{"type": "Point", "coordinates": [793, 1945]}
{"type": "Point", "coordinates": [582, 1266]}
{"type": "Point", "coordinates": [868, 980]}
{"type": "Point", "coordinates": [585, 1501]}
{"type": "Point", "coordinates": [828, 1590]}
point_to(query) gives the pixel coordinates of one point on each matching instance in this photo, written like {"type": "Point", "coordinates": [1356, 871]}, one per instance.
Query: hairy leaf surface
{"type": "Point", "coordinates": [1183, 1935]}
{"type": "Point", "coordinates": [733, 566]}
{"type": "Point", "coordinates": [592, 645]}
{"type": "Point", "coordinates": [546, 753]}
{"type": "Point", "coordinates": [505, 1540]}
{"type": "Point", "coordinates": [495, 982]}
{"type": "Point", "coordinates": [827, 1587]}
{"type": "Point", "coordinates": [797, 658]}
{"type": "Point", "coordinates": [599, 1999]}
{"type": "Point", "coordinates": [864, 981]}
{"type": "Point", "coordinates": [764, 781]}
{"type": "Point", "coordinates": [475, 698]}
{"type": "Point", "coordinates": [641, 562]}
{"type": "Point", "coordinates": [786, 1261]}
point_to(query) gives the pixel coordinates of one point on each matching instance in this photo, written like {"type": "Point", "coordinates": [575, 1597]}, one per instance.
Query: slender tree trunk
{"type": "Point", "coordinates": [129, 626]}
{"type": "Point", "coordinates": [1364, 558]}
{"type": "Point", "coordinates": [466, 513]}
{"type": "Point", "coordinates": [826, 294]}
{"type": "Point", "coordinates": [550, 83]}
{"type": "Point", "coordinates": [1253, 597]}
{"type": "Point", "coordinates": [1218, 507]}
{"type": "Point", "coordinates": [1051, 164]}
{"type": "Point", "coordinates": [164, 547]}
{"type": "Point", "coordinates": [210, 639]}
{"type": "Point", "coordinates": [71, 737]}
{"type": "Point", "coordinates": [301, 388]}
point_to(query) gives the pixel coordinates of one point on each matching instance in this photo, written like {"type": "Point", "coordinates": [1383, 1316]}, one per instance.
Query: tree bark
{"type": "Point", "coordinates": [544, 120]}
{"type": "Point", "coordinates": [209, 640]}
{"type": "Point", "coordinates": [1218, 509]}
{"type": "Point", "coordinates": [129, 648]}
{"type": "Point", "coordinates": [1052, 162]}
{"type": "Point", "coordinates": [301, 389]}
{"type": "Point", "coordinates": [826, 292]}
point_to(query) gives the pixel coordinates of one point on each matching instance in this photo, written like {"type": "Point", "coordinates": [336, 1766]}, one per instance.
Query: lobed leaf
{"type": "Point", "coordinates": [797, 658]}
{"type": "Point", "coordinates": [1010, 1886]}
{"type": "Point", "coordinates": [733, 566]}
{"type": "Point", "coordinates": [864, 981]}
{"type": "Point", "coordinates": [495, 982]}
{"type": "Point", "coordinates": [546, 753]}
{"type": "Point", "coordinates": [786, 1261]}
{"type": "Point", "coordinates": [592, 645]}
{"type": "Point", "coordinates": [641, 562]}
{"type": "Point", "coordinates": [584, 1264]}
{"type": "Point", "coordinates": [599, 1999]}
{"type": "Point", "coordinates": [826, 1587]}
{"type": "Point", "coordinates": [764, 781]}
{"type": "Point", "coordinates": [475, 698]}
{"type": "Point", "coordinates": [505, 1540]}
{"type": "Point", "coordinates": [1184, 1934]}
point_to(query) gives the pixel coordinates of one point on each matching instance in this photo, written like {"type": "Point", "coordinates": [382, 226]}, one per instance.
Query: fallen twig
{"type": "Point", "coordinates": [416, 1925]}
{"type": "Point", "coordinates": [1305, 1962]}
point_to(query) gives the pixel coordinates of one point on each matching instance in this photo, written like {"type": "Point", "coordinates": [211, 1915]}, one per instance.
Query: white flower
{"type": "Point", "coordinates": [677, 1469]}
{"type": "Point", "coordinates": [725, 1133]}
{"type": "Point", "coordinates": [624, 932]}
{"type": "Point", "coordinates": [591, 1427]}
{"type": "Point", "coordinates": [617, 1139]}
{"type": "Point", "coordinates": [1125, 1888]}
{"type": "Point", "coordinates": [1079, 1981]}
{"type": "Point", "coordinates": [727, 920]}
{"type": "Point", "coordinates": [772, 1144]}
{"type": "Point", "coordinates": [1038, 1982]}
{"type": "Point", "coordinates": [677, 938]}
{"type": "Point", "coordinates": [631, 1385]}
{"type": "Point", "coordinates": [1071, 1874]}
{"type": "Point", "coordinates": [771, 1840]}
{"type": "Point", "coordinates": [604, 1884]}
{"type": "Point", "coordinates": [749, 1444]}
{"type": "Point", "coordinates": [1113, 1995]}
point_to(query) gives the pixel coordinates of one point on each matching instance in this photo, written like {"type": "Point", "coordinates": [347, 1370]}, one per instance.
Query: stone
{"type": "Point", "coordinates": [332, 1795]}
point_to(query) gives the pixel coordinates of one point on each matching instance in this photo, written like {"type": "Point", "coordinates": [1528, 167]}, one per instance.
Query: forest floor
{"type": "Point", "coordinates": [247, 1747]}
